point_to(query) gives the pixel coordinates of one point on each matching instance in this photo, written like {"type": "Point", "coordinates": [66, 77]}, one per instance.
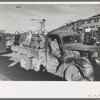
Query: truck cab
{"type": "Point", "coordinates": [67, 61]}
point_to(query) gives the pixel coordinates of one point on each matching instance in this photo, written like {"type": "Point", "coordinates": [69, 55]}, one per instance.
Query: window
{"type": "Point", "coordinates": [89, 21]}
{"type": "Point", "coordinates": [93, 26]}
{"type": "Point", "coordinates": [96, 20]}
{"type": "Point", "coordinates": [86, 27]}
{"type": "Point", "coordinates": [90, 26]}
{"type": "Point", "coordinates": [83, 22]}
{"type": "Point", "coordinates": [55, 45]}
{"type": "Point", "coordinates": [71, 39]}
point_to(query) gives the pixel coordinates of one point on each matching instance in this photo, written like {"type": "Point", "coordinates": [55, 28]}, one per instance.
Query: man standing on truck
{"type": "Point", "coordinates": [17, 38]}
{"type": "Point", "coordinates": [34, 43]}
{"type": "Point", "coordinates": [28, 38]}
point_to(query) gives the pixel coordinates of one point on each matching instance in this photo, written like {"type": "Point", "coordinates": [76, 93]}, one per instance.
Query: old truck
{"type": "Point", "coordinates": [71, 60]}
{"type": "Point", "coordinates": [74, 59]}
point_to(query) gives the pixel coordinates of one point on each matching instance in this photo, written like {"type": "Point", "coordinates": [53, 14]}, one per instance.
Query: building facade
{"type": "Point", "coordinates": [91, 22]}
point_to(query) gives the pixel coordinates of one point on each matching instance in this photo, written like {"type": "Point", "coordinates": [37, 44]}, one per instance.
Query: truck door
{"type": "Point", "coordinates": [55, 46]}
{"type": "Point", "coordinates": [54, 52]}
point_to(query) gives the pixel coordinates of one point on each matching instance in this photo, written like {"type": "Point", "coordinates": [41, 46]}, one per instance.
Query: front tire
{"type": "Point", "coordinates": [72, 73]}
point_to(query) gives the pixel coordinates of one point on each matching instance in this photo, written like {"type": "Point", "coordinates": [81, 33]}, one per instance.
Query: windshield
{"type": "Point", "coordinates": [71, 39]}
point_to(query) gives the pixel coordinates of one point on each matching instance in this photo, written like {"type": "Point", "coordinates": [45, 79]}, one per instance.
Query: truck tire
{"type": "Point", "coordinates": [72, 73]}
{"type": "Point", "coordinates": [25, 62]}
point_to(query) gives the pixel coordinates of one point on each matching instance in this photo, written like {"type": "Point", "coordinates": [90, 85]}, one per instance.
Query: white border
{"type": "Point", "coordinates": [49, 2]}
{"type": "Point", "coordinates": [46, 89]}
{"type": "Point", "coordinates": [40, 89]}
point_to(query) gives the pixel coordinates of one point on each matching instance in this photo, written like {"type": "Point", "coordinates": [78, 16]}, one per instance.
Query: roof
{"type": "Point", "coordinates": [90, 18]}
{"type": "Point", "coordinates": [78, 20]}
{"type": "Point", "coordinates": [62, 33]}
{"type": "Point", "coordinates": [98, 15]}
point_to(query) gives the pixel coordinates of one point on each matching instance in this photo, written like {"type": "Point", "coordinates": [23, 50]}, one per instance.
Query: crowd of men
{"type": "Point", "coordinates": [29, 39]}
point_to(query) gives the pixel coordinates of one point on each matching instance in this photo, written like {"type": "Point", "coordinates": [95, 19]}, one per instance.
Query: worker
{"type": "Point", "coordinates": [34, 43]}
{"type": "Point", "coordinates": [23, 37]}
{"type": "Point", "coordinates": [28, 38]}
{"type": "Point", "coordinates": [17, 38]}
{"type": "Point", "coordinates": [42, 41]}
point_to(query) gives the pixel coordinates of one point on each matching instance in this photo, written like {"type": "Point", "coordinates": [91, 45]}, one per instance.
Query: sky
{"type": "Point", "coordinates": [17, 17]}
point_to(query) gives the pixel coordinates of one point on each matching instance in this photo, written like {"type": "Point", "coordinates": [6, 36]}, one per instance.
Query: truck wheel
{"type": "Point", "coordinates": [72, 74]}
{"type": "Point", "coordinates": [25, 62]}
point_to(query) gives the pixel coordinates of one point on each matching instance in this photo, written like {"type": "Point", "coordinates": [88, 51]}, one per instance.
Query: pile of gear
{"type": "Point", "coordinates": [31, 40]}
{"type": "Point", "coordinates": [32, 48]}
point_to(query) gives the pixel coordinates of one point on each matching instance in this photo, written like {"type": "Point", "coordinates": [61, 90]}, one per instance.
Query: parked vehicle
{"type": "Point", "coordinates": [2, 42]}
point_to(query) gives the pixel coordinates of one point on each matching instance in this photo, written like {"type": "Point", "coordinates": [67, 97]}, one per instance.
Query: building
{"type": "Point", "coordinates": [91, 22]}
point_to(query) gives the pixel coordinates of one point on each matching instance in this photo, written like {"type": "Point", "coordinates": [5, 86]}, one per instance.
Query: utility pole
{"type": "Point", "coordinates": [41, 28]}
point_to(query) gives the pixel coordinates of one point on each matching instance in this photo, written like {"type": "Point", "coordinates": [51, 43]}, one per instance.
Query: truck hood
{"type": "Point", "coordinates": [81, 47]}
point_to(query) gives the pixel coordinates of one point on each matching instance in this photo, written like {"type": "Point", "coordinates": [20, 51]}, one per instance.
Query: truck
{"type": "Point", "coordinates": [62, 54]}
{"type": "Point", "coordinates": [74, 62]}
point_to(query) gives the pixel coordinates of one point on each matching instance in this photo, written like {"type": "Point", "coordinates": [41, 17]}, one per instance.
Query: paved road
{"type": "Point", "coordinates": [16, 73]}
